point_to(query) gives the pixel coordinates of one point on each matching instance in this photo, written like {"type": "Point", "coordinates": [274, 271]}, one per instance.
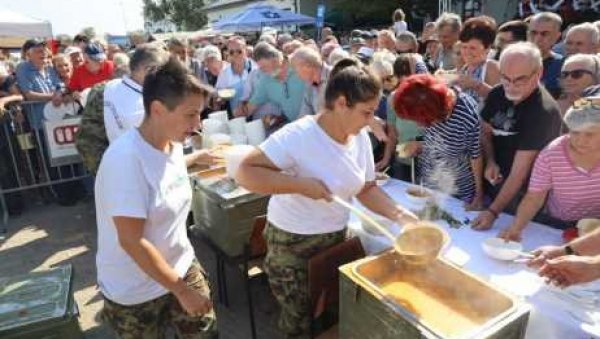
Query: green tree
{"type": "Point", "coordinates": [187, 15]}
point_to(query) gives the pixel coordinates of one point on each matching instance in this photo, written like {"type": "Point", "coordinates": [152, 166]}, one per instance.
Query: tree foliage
{"type": "Point", "coordinates": [376, 13]}
{"type": "Point", "coordinates": [187, 15]}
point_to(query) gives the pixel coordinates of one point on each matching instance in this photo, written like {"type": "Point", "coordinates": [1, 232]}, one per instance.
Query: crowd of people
{"type": "Point", "coordinates": [504, 117]}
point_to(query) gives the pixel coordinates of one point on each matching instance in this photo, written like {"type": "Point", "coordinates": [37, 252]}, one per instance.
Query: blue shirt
{"type": "Point", "coordinates": [551, 76]}
{"type": "Point", "coordinates": [288, 95]}
{"type": "Point", "coordinates": [31, 79]}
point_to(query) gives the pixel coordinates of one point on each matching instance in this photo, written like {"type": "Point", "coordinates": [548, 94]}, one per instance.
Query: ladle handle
{"type": "Point", "coordinates": [365, 217]}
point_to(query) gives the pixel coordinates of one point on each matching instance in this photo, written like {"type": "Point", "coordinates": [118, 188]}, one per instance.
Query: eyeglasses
{"type": "Point", "coordinates": [235, 51]}
{"type": "Point", "coordinates": [575, 74]}
{"type": "Point", "coordinates": [593, 102]}
{"type": "Point", "coordinates": [518, 81]}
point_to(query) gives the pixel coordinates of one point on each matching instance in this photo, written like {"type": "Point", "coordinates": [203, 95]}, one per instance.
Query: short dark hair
{"type": "Point", "coordinates": [170, 84]}
{"type": "Point", "coordinates": [402, 65]}
{"type": "Point", "coordinates": [480, 28]}
{"type": "Point", "coordinates": [357, 83]}
{"type": "Point", "coordinates": [517, 28]}
{"type": "Point", "coordinates": [81, 38]}
{"type": "Point", "coordinates": [147, 55]}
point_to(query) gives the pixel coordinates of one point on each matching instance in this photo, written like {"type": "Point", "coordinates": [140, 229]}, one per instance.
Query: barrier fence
{"type": "Point", "coordinates": [37, 151]}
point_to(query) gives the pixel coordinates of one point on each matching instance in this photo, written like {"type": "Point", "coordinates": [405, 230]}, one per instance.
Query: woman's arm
{"type": "Point", "coordinates": [130, 232]}
{"type": "Point", "coordinates": [477, 168]}
{"type": "Point", "coordinates": [258, 174]}
{"type": "Point", "coordinates": [376, 200]}
{"type": "Point", "coordinates": [588, 244]}
{"type": "Point", "coordinates": [390, 147]}
{"type": "Point", "coordinates": [532, 202]}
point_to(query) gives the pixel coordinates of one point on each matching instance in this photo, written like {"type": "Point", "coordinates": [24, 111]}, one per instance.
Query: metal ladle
{"type": "Point", "coordinates": [410, 255]}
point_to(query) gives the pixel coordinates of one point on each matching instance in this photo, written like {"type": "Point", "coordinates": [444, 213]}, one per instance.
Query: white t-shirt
{"type": "Point", "coordinates": [304, 149]}
{"type": "Point", "coordinates": [136, 180]}
{"type": "Point", "coordinates": [123, 107]}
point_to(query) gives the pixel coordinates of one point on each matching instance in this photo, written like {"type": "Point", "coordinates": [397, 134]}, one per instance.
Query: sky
{"type": "Point", "coordinates": [70, 16]}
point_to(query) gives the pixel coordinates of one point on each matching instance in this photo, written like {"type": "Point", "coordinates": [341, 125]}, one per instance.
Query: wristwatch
{"type": "Point", "coordinates": [569, 250]}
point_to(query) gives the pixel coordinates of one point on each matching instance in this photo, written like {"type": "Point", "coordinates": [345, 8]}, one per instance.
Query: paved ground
{"type": "Point", "coordinates": [47, 235]}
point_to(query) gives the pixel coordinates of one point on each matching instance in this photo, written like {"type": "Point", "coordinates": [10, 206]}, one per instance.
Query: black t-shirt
{"type": "Point", "coordinates": [527, 126]}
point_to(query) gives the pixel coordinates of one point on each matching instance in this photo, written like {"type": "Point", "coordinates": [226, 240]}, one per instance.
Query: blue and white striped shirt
{"type": "Point", "coordinates": [448, 148]}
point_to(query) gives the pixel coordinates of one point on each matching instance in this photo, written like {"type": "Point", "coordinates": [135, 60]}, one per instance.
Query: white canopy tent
{"type": "Point", "coordinates": [15, 28]}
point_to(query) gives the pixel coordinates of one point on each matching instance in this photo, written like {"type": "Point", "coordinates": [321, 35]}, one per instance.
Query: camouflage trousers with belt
{"type": "Point", "coordinates": [286, 265]}
{"type": "Point", "coordinates": [151, 319]}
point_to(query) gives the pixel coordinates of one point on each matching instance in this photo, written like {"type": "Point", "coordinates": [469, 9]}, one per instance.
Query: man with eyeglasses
{"type": "Point", "coordinates": [544, 32]}
{"type": "Point", "coordinates": [236, 73]}
{"type": "Point", "coordinates": [521, 118]}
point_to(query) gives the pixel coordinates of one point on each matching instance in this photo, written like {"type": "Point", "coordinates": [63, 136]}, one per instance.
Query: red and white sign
{"type": "Point", "coordinates": [61, 141]}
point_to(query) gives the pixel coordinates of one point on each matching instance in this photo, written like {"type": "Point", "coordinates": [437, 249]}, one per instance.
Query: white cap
{"type": "Point", "coordinates": [211, 51]}
{"type": "Point", "coordinates": [72, 49]}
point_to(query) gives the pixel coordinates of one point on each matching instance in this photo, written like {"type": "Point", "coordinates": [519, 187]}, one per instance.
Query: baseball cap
{"type": "Point", "coordinates": [356, 33]}
{"type": "Point", "coordinates": [31, 43]}
{"type": "Point", "coordinates": [368, 35]}
{"type": "Point", "coordinates": [357, 41]}
{"type": "Point", "coordinates": [72, 49]}
{"type": "Point", "coordinates": [95, 52]}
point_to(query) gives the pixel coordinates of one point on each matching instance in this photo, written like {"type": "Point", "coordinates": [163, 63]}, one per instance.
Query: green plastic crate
{"type": "Point", "coordinates": [39, 305]}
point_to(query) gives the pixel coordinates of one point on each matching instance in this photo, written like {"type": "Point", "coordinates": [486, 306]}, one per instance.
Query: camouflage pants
{"type": "Point", "coordinates": [150, 319]}
{"type": "Point", "coordinates": [286, 265]}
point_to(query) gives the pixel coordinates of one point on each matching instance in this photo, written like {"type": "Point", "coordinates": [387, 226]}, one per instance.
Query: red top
{"type": "Point", "coordinates": [82, 78]}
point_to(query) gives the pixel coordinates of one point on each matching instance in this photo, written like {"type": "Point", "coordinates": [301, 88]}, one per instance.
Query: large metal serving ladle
{"type": "Point", "coordinates": [418, 243]}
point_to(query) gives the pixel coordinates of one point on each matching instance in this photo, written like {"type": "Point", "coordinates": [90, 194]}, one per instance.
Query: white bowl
{"type": "Point", "coordinates": [381, 179]}
{"type": "Point", "coordinates": [226, 93]}
{"type": "Point", "coordinates": [418, 200]}
{"type": "Point", "coordinates": [234, 156]}
{"type": "Point", "coordinates": [500, 249]}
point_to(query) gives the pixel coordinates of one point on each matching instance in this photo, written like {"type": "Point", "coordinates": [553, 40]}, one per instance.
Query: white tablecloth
{"type": "Point", "coordinates": [553, 311]}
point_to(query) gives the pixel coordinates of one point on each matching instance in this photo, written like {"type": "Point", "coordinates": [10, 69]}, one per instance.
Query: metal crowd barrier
{"type": "Point", "coordinates": [36, 155]}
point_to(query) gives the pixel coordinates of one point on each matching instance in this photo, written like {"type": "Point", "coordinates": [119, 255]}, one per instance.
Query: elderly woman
{"type": "Point", "coordinates": [479, 74]}
{"type": "Point", "coordinates": [578, 72]}
{"type": "Point", "coordinates": [303, 166]}
{"type": "Point", "coordinates": [450, 155]}
{"type": "Point", "coordinates": [566, 174]}
{"type": "Point", "coordinates": [62, 66]}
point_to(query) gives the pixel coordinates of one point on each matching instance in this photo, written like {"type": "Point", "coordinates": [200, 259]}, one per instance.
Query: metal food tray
{"type": "Point", "coordinates": [439, 297]}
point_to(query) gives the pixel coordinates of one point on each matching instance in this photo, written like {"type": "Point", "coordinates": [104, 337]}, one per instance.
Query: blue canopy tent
{"type": "Point", "coordinates": [257, 16]}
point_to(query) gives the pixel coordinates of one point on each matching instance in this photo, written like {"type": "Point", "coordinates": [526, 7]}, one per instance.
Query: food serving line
{"type": "Point", "coordinates": [519, 303]}
{"type": "Point", "coordinates": [570, 313]}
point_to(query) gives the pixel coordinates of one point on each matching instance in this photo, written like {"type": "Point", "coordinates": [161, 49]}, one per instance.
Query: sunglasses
{"type": "Point", "coordinates": [235, 51]}
{"type": "Point", "coordinates": [575, 74]}
{"type": "Point", "coordinates": [587, 102]}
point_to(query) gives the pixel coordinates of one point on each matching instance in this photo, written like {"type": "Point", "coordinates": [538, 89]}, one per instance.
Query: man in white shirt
{"type": "Point", "coordinates": [123, 104]}
{"type": "Point", "coordinates": [236, 73]}
{"type": "Point", "coordinates": [147, 270]}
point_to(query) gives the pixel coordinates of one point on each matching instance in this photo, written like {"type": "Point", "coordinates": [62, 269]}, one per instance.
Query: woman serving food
{"type": "Point", "coordinates": [303, 166]}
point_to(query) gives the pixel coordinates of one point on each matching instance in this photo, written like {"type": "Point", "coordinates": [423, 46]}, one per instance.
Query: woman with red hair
{"type": "Point", "coordinates": [450, 155]}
